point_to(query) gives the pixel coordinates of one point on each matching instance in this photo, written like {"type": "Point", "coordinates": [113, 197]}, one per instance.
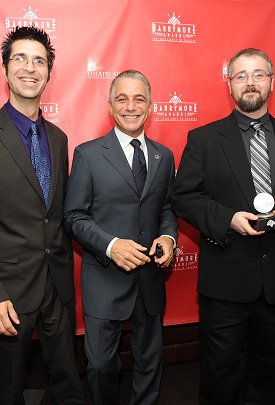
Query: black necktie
{"type": "Point", "coordinates": [40, 163]}
{"type": "Point", "coordinates": [260, 166]}
{"type": "Point", "coordinates": [139, 165]}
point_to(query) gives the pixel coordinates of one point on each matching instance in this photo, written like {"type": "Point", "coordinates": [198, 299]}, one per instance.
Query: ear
{"type": "Point", "coordinates": [272, 83]}
{"type": "Point", "coordinates": [5, 73]}
{"type": "Point", "coordinates": [229, 85]}
{"type": "Point", "coordinates": [110, 108]}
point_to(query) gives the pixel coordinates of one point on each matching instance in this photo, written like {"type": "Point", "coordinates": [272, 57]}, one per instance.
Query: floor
{"type": "Point", "coordinates": [179, 386]}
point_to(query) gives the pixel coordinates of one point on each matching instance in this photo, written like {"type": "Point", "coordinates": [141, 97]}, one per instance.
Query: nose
{"type": "Point", "coordinates": [131, 105]}
{"type": "Point", "coordinates": [250, 80]}
{"type": "Point", "coordinates": [29, 66]}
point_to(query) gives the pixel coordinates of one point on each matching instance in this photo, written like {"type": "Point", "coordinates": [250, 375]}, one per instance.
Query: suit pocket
{"type": "Point", "coordinates": [8, 254]}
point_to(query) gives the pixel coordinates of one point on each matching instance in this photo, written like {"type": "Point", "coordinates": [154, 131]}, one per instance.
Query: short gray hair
{"type": "Point", "coordinates": [133, 74]}
{"type": "Point", "coordinates": [250, 52]}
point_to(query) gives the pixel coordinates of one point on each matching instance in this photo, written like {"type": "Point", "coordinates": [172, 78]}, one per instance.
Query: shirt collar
{"type": "Point", "coordinates": [21, 121]}
{"type": "Point", "coordinates": [244, 121]}
{"type": "Point", "coordinates": [125, 139]}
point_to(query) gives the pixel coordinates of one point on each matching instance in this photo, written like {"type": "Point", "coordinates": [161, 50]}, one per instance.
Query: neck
{"type": "Point", "coordinates": [28, 107]}
{"type": "Point", "coordinates": [255, 114]}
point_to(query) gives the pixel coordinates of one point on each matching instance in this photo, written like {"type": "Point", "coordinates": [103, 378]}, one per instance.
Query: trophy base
{"type": "Point", "coordinates": [265, 222]}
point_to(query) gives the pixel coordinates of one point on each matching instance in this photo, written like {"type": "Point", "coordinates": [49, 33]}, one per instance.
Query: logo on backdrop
{"type": "Point", "coordinates": [50, 111]}
{"type": "Point", "coordinates": [30, 18]}
{"type": "Point", "coordinates": [224, 70]}
{"type": "Point", "coordinates": [175, 109]}
{"type": "Point", "coordinates": [174, 31]}
{"type": "Point", "coordinates": [96, 71]}
{"type": "Point", "coordinates": [184, 261]}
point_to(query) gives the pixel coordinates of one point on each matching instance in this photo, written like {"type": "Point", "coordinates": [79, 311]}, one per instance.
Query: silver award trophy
{"type": "Point", "coordinates": [264, 203]}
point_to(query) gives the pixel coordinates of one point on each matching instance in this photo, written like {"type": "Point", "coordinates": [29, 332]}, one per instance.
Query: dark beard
{"type": "Point", "coordinates": [250, 105]}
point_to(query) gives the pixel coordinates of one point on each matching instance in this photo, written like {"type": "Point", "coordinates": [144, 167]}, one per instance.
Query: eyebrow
{"type": "Point", "coordinates": [135, 96]}
{"type": "Point", "coordinates": [255, 70]}
{"type": "Point", "coordinates": [24, 54]}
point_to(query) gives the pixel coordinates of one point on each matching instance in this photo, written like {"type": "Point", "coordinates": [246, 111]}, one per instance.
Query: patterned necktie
{"type": "Point", "coordinates": [40, 163]}
{"type": "Point", "coordinates": [139, 165]}
{"type": "Point", "coordinates": [260, 166]}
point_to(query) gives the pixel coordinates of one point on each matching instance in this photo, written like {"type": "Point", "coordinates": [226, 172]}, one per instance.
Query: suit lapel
{"type": "Point", "coordinates": [154, 158]}
{"type": "Point", "coordinates": [11, 140]}
{"type": "Point", "coordinates": [53, 147]}
{"type": "Point", "coordinates": [234, 149]}
{"type": "Point", "coordinates": [115, 155]}
{"type": "Point", "coordinates": [113, 152]}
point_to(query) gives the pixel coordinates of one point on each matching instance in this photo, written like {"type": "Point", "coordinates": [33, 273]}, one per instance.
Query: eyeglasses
{"type": "Point", "coordinates": [20, 60]}
{"type": "Point", "coordinates": [258, 76]}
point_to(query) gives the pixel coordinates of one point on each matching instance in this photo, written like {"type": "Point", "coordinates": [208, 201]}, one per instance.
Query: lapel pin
{"type": "Point", "coordinates": [156, 156]}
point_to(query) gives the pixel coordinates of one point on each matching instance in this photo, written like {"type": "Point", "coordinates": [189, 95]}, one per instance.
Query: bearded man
{"type": "Point", "coordinates": [224, 166]}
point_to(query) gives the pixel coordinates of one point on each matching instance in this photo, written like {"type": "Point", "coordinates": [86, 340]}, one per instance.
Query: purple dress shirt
{"type": "Point", "coordinates": [23, 124]}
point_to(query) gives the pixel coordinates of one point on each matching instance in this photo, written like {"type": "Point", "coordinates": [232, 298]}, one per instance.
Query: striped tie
{"type": "Point", "coordinates": [260, 166]}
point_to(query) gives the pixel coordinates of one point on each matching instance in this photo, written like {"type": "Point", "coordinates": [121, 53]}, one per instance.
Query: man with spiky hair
{"type": "Point", "coordinates": [36, 269]}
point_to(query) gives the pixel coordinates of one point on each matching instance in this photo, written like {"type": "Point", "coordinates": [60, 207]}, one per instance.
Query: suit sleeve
{"type": "Point", "coordinates": [168, 222]}
{"type": "Point", "coordinates": [192, 196]}
{"type": "Point", "coordinates": [78, 219]}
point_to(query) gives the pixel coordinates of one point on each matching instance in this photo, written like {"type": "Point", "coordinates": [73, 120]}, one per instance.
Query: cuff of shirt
{"type": "Point", "coordinates": [171, 237]}
{"type": "Point", "coordinates": [109, 247]}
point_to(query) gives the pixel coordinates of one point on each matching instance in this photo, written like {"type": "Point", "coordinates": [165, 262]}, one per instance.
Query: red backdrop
{"type": "Point", "coordinates": [182, 46]}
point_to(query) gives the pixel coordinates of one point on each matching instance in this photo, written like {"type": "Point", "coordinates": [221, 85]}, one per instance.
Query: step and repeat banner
{"type": "Point", "coordinates": [182, 46]}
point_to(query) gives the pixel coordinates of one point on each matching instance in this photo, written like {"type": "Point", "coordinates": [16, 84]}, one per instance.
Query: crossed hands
{"type": "Point", "coordinates": [129, 255]}
{"type": "Point", "coordinates": [7, 316]}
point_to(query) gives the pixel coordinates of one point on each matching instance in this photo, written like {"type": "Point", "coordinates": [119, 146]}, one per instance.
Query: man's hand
{"type": "Point", "coordinates": [240, 223]}
{"type": "Point", "coordinates": [8, 314]}
{"type": "Point", "coordinates": [128, 255]}
{"type": "Point", "coordinates": [168, 252]}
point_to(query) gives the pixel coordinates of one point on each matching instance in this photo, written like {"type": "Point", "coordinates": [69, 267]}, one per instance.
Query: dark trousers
{"type": "Point", "coordinates": [101, 346]}
{"type": "Point", "coordinates": [56, 337]}
{"type": "Point", "coordinates": [223, 326]}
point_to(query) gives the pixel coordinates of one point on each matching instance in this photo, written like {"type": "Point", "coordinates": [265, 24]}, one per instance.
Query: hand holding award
{"type": "Point", "coordinates": [264, 203]}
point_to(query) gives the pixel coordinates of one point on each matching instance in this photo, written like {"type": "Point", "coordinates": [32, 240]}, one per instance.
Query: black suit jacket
{"type": "Point", "coordinates": [31, 235]}
{"type": "Point", "coordinates": [103, 202]}
{"type": "Point", "coordinates": [213, 182]}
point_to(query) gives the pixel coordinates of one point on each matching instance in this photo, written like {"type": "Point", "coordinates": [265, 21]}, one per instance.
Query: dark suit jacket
{"type": "Point", "coordinates": [213, 182]}
{"type": "Point", "coordinates": [31, 235]}
{"type": "Point", "coordinates": [103, 202]}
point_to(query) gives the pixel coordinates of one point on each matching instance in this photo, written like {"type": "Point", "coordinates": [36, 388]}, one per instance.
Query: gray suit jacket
{"type": "Point", "coordinates": [103, 202]}
{"type": "Point", "coordinates": [31, 235]}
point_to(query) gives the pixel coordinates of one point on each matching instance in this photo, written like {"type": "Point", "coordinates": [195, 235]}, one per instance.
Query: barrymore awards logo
{"type": "Point", "coordinates": [225, 71]}
{"type": "Point", "coordinates": [174, 31]}
{"type": "Point", "coordinates": [31, 18]}
{"type": "Point", "coordinates": [175, 109]}
{"type": "Point", "coordinates": [50, 111]}
{"type": "Point", "coordinates": [96, 71]}
{"type": "Point", "coordinates": [184, 261]}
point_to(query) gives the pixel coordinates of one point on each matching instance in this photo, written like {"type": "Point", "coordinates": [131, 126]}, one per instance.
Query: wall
{"type": "Point", "coordinates": [182, 46]}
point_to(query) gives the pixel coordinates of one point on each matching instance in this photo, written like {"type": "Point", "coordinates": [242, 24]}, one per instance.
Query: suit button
{"type": "Point", "coordinates": [265, 256]}
{"type": "Point", "coordinates": [47, 251]}
{"type": "Point", "coordinates": [141, 232]}
{"type": "Point", "coordinates": [46, 220]}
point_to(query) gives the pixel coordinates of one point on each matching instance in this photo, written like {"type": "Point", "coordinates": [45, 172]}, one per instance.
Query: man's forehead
{"type": "Point", "coordinates": [27, 45]}
{"type": "Point", "coordinates": [130, 84]}
{"type": "Point", "coordinates": [249, 60]}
